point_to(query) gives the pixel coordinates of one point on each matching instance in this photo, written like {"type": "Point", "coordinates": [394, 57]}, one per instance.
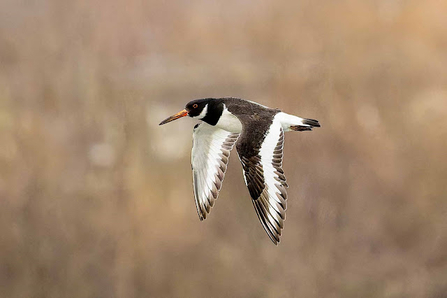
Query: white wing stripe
{"type": "Point", "coordinates": [267, 153]}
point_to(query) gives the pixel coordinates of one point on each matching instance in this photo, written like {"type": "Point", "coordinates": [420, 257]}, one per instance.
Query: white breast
{"type": "Point", "coordinates": [229, 122]}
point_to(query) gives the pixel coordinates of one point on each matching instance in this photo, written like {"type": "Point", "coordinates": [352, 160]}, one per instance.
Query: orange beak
{"type": "Point", "coordinates": [180, 114]}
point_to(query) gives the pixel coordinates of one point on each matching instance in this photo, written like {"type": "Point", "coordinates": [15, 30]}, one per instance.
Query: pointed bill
{"type": "Point", "coordinates": [180, 114]}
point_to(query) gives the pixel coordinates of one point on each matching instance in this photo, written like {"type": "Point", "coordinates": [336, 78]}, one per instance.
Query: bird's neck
{"type": "Point", "coordinates": [229, 122]}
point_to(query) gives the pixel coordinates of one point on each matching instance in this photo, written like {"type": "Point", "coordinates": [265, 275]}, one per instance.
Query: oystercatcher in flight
{"type": "Point", "coordinates": [258, 132]}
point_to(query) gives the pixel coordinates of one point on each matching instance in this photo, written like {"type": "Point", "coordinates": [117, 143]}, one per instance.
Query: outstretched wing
{"type": "Point", "coordinates": [209, 159]}
{"type": "Point", "coordinates": [264, 176]}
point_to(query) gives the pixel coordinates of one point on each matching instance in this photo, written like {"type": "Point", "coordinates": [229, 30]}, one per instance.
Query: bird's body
{"type": "Point", "coordinates": [258, 132]}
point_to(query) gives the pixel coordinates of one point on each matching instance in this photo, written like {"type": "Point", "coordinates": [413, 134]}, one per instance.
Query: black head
{"type": "Point", "coordinates": [206, 109]}
{"type": "Point", "coordinates": [197, 107]}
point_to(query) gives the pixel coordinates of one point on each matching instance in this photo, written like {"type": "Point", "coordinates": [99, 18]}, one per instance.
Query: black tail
{"type": "Point", "coordinates": [311, 122]}
{"type": "Point", "coordinates": [308, 124]}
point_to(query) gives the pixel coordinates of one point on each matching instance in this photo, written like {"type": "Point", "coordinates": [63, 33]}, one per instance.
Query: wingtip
{"type": "Point", "coordinates": [274, 239]}
{"type": "Point", "coordinates": [202, 214]}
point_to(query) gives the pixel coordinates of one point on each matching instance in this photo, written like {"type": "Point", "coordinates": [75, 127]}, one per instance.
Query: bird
{"type": "Point", "coordinates": [258, 133]}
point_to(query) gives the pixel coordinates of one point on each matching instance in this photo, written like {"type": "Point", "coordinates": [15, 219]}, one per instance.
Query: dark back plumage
{"type": "Point", "coordinates": [258, 133]}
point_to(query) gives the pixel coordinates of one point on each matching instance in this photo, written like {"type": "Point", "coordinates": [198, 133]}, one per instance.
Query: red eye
{"type": "Point", "coordinates": [195, 106]}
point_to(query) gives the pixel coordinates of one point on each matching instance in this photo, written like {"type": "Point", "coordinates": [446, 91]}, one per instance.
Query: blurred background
{"type": "Point", "coordinates": [96, 199]}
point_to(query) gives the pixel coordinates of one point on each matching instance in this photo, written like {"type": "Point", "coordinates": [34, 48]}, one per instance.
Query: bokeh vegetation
{"type": "Point", "coordinates": [96, 198]}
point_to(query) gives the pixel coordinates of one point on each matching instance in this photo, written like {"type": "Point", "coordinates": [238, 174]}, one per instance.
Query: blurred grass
{"type": "Point", "coordinates": [96, 199]}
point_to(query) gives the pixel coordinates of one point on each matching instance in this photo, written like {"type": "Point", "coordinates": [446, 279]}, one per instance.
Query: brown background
{"type": "Point", "coordinates": [96, 198]}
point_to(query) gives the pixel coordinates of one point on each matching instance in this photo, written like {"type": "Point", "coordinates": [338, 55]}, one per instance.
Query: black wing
{"type": "Point", "coordinates": [261, 157]}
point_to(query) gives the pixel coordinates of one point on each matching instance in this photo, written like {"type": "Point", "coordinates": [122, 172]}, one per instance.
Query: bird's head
{"type": "Point", "coordinates": [197, 109]}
